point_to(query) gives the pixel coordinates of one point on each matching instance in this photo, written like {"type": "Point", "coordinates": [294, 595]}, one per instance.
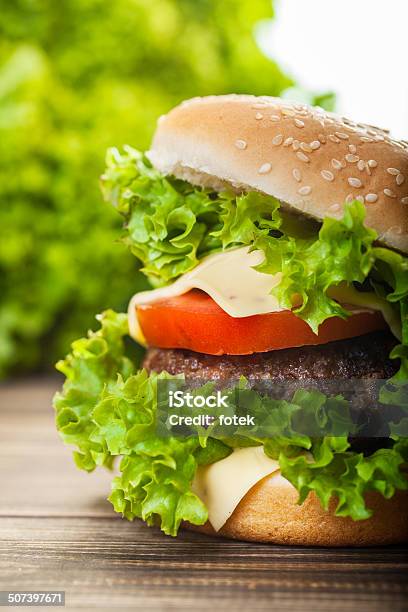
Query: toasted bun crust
{"type": "Point", "coordinates": [269, 513]}
{"type": "Point", "coordinates": [309, 159]}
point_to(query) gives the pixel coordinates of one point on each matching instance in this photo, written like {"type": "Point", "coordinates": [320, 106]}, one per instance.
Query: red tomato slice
{"type": "Point", "coordinates": [194, 321]}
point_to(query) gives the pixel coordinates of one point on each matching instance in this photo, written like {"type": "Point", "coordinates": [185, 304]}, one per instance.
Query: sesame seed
{"type": "Point", "coordinates": [322, 138]}
{"type": "Point", "coordinates": [404, 201]}
{"type": "Point", "coordinates": [355, 182]}
{"type": "Point", "coordinates": [334, 207]}
{"type": "Point", "coordinates": [259, 116]}
{"type": "Point", "coordinates": [302, 157]}
{"type": "Point", "coordinates": [352, 148]}
{"type": "Point", "coordinates": [352, 159]}
{"type": "Point", "coordinates": [315, 145]}
{"type": "Point", "coordinates": [334, 138]}
{"type": "Point", "coordinates": [306, 147]}
{"type": "Point", "coordinates": [304, 191]}
{"type": "Point", "coordinates": [327, 175]}
{"type": "Point", "coordinates": [296, 145]}
{"type": "Point", "coordinates": [342, 135]}
{"type": "Point", "coordinates": [265, 168]}
{"type": "Point", "coordinates": [277, 140]}
{"type": "Point", "coordinates": [274, 118]}
{"type": "Point", "coordinates": [400, 179]}
{"type": "Point", "coordinates": [372, 163]}
{"type": "Point", "coordinates": [259, 105]}
{"type": "Point", "coordinates": [297, 175]}
{"type": "Point", "coordinates": [299, 123]}
{"type": "Point", "coordinates": [366, 139]}
{"type": "Point", "coordinates": [288, 141]}
{"type": "Point", "coordinates": [350, 197]}
{"type": "Point", "coordinates": [288, 112]}
{"type": "Point", "coordinates": [336, 164]}
{"type": "Point", "coordinates": [393, 171]}
{"type": "Point", "coordinates": [241, 144]}
{"type": "Point", "coordinates": [371, 198]}
{"type": "Point", "coordinates": [379, 138]}
{"type": "Point", "coordinates": [389, 193]}
{"type": "Point", "coordinates": [361, 165]}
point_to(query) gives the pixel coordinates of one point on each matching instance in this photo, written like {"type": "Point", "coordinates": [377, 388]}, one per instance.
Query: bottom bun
{"type": "Point", "coordinates": [269, 513]}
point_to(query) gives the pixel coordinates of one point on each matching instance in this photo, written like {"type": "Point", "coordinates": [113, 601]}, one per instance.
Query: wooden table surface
{"type": "Point", "coordinates": [58, 532]}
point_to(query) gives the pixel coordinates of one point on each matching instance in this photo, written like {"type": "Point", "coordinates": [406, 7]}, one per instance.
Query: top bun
{"type": "Point", "coordinates": [310, 159]}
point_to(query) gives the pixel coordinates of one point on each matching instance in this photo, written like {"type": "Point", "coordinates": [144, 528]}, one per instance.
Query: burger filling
{"type": "Point", "coordinates": [305, 323]}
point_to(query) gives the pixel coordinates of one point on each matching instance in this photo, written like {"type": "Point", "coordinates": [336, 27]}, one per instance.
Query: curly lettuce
{"type": "Point", "coordinates": [170, 224]}
{"type": "Point", "coordinates": [106, 409]}
{"type": "Point", "coordinates": [340, 252]}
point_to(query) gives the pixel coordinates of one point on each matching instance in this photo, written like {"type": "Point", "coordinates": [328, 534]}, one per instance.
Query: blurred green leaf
{"type": "Point", "coordinates": [75, 78]}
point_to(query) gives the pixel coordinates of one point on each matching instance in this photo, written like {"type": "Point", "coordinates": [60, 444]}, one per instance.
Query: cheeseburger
{"type": "Point", "coordinates": [275, 239]}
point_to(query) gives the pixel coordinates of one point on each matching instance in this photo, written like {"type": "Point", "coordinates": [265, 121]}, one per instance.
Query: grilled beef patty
{"type": "Point", "coordinates": [352, 367]}
{"type": "Point", "coordinates": [361, 357]}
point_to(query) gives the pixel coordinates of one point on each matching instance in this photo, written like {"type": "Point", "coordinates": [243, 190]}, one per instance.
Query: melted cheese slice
{"type": "Point", "coordinates": [366, 302]}
{"type": "Point", "coordinates": [223, 484]}
{"type": "Point", "coordinates": [230, 279]}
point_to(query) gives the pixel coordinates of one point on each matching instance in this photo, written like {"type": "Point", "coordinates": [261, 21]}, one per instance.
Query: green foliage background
{"type": "Point", "coordinates": [77, 76]}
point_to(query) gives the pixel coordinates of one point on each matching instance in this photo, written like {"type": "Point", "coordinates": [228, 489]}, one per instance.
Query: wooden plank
{"type": "Point", "coordinates": [58, 532]}
{"type": "Point", "coordinates": [93, 558]}
{"type": "Point", "coordinates": [38, 475]}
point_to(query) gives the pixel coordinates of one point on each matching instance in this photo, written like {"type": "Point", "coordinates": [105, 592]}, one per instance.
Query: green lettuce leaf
{"type": "Point", "coordinates": [170, 225]}
{"type": "Point", "coordinates": [107, 410]}
{"type": "Point", "coordinates": [340, 252]}
{"type": "Point", "coordinates": [92, 367]}
{"type": "Point", "coordinates": [335, 472]}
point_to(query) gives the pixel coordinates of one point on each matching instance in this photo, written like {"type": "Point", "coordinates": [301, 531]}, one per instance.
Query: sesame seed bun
{"type": "Point", "coordinates": [269, 513]}
{"type": "Point", "coordinates": [311, 160]}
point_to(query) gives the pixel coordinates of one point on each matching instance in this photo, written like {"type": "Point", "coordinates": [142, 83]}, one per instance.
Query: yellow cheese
{"type": "Point", "coordinates": [368, 301]}
{"type": "Point", "coordinates": [230, 279]}
{"type": "Point", "coordinates": [223, 484]}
